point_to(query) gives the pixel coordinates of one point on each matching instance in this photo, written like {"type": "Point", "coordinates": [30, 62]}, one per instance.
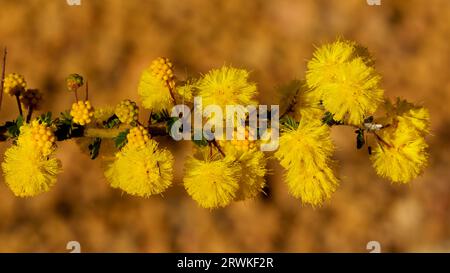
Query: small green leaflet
{"type": "Point", "coordinates": [13, 127]}
{"type": "Point", "coordinates": [94, 147]}
{"type": "Point", "coordinates": [45, 118]}
{"type": "Point", "coordinates": [289, 122]}
{"type": "Point", "coordinates": [121, 139]}
{"type": "Point", "coordinates": [359, 138]}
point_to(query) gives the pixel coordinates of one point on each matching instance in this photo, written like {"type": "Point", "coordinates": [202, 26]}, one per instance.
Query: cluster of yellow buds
{"type": "Point", "coordinates": [14, 84]}
{"type": "Point", "coordinates": [248, 143]}
{"type": "Point", "coordinates": [74, 81]}
{"type": "Point", "coordinates": [43, 136]}
{"type": "Point", "coordinates": [82, 112]}
{"type": "Point", "coordinates": [127, 111]}
{"type": "Point", "coordinates": [162, 69]}
{"type": "Point", "coordinates": [138, 136]}
{"type": "Point", "coordinates": [31, 98]}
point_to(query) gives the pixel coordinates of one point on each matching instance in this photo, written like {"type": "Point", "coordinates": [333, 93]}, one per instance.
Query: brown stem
{"type": "Point", "coordinates": [30, 113]}
{"type": "Point", "coordinates": [171, 92]}
{"type": "Point", "coordinates": [87, 90]}
{"type": "Point", "coordinates": [3, 76]}
{"type": "Point", "coordinates": [291, 104]}
{"type": "Point", "coordinates": [154, 130]}
{"type": "Point", "coordinates": [76, 94]}
{"type": "Point", "coordinates": [150, 118]}
{"type": "Point", "coordinates": [381, 140]}
{"type": "Point", "coordinates": [214, 142]}
{"type": "Point", "coordinates": [19, 105]}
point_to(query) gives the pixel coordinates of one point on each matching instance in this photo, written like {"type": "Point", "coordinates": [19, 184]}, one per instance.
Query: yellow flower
{"type": "Point", "coordinates": [29, 171]}
{"type": "Point", "coordinates": [186, 91]}
{"type": "Point", "coordinates": [312, 186]}
{"type": "Point", "coordinates": [82, 112]}
{"type": "Point", "coordinates": [306, 105]}
{"type": "Point", "coordinates": [14, 84]}
{"type": "Point", "coordinates": [248, 143]}
{"type": "Point", "coordinates": [227, 86]}
{"type": "Point", "coordinates": [414, 116]}
{"type": "Point", "coordinates": [41, 135]}
{"type": "Point", "coordinates": [127, 111]}
{"type": "Point", "coordinates": [253, 170]}
{"type": "Point", "coordinates": [155, 85]}
{"type": "Point", "coordinates": [341, 77]}
{"type": "Point", "coordinates": [401, 154]}
{"type": "Point", "coordinates": [138, 136]}
{"type": "Point", "coordinates": [212, 183]}
{"type": "Point", "coordinates": [141, 170]}
{"type": "Point", "coordinates": [305, 152]}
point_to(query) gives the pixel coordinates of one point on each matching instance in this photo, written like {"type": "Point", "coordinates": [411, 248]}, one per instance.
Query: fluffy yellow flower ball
{"type": "Point", "coordinates": [227, 86]}
{"type": "Point", "coordinates": [82, 112]}
{"type": "Point", "coordinates": [141, 170]}
{"type": "Point", "coordinates": [305, 152]}
{"type": "Point", "coordinates": [401, 153]}
{"type": "Point", "coordinates": [341, 76]}
{"type": "Point", "coordinates": [155, 85]}
{"type": "Point", "coordinates": [212, 183]}
{"type": "Point", "coordinates": [29, 168]}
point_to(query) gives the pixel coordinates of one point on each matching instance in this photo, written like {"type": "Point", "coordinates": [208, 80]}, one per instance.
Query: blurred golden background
{"type": "Point", "coordinates": [111, 41]}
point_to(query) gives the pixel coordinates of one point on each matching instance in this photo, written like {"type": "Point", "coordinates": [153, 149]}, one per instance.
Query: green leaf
{"type": "Point", "coordinates": [200, 143]}
{"type": "Point", "coordinates": [289, 122]}
{"type": "Point", "coordinates": [121, 139]}
{"type": "Point", "coordinates": [94, 147]}
{"type": "Point", "coordinates": [13, 127]}
{"type": "Point", "coordinates": [111, 122]}
{"type": "Point", "coordinates": [45, 118]}
{"type": "Point", "coordinates": [359, 138]}
{"type": "Point", "coordinates": [328, 119]}
{"type": "Point", "coordinates": [161, 116]}
{"type": "Point", "coordinates": [170, 123]}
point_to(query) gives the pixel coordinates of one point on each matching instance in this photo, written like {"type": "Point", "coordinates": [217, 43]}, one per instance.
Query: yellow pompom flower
{"type": "Point", "coordinates": [28, 169]}
{"type": "Point", "coordinates": [414, 116]}
{"type": "Point", "coordinates": [306, 105]}
{"type": "Point", "coordinates": [14, 84]}
{"type": "Point", "coordinates": [401, 154]}
{"type": "Point", "coordinates": [227, 86]}
{"type": "Point", "coordinates": [155, 85]}
{"type": "Point", "coordinates": [326, 60]}
{"type": "Point", "coordinates": [305, 152]}
{"type": "Point", "coordinates": [341, 77]}
{"type": "Point", "coordinates": [141, 170]}
{"type": "Point", "coordinates": [82, 112]}
{"type": "Point", "coordinates": [31, 98]}
{"type": "Point", "coordinates": [212, 183]}
{"type": "Point", "coordinates": [138, 136]}
{"type": "Point", "coordinates": [127, 111]}
{"type": "Point", "coordinates": [186, 91]}
{"type": "Point", "coordinates": [253, 171]}
{"type": "Point", "coordinates": [312, 186]}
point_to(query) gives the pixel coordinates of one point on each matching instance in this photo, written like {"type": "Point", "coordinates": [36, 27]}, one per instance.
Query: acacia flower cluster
{"type": "Point", "coordinates": [341, 88]}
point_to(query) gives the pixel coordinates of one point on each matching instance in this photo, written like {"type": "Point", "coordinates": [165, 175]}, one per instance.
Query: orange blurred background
{"type": "Point", "coordinates": [111, 41]}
